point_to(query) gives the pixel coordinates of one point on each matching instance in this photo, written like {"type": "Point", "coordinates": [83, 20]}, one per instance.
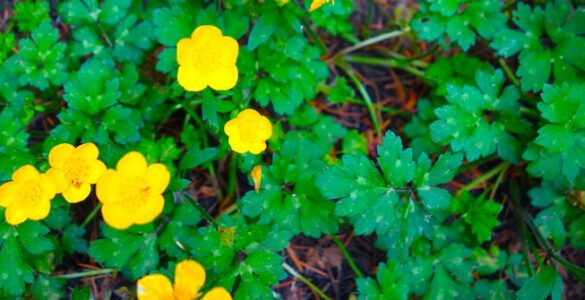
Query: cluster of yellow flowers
{"type": "Point", "coordinates": [130, 194]}
{"type": "Point", "coordinates": [189, 279]}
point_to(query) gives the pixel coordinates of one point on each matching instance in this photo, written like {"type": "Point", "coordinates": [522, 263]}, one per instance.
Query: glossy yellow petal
{"type": "Point", "coordinates": [15, 214]}
{"type": "Point", "coordinates": [158, 177]}
{"type": "Point", "coordinates": [116, 217]}
{"type": "Point", "coordinates": [25, 173]}
{"type": "Point", "coordinates": [39, 211]}
{"type": "Point", "coordinates": [60, 154]}
{"type": "Point", "coordinates": [48, 186]}
{"type": "Point", "coordinates": [257, 177]}
{"type": "Point", "coordinates": [95, 171]}
{"type": "Point", "coordinates": [224, 78]}
{"type": "Point", "coordinates": [264, 128]}
{"type": "Point", "coordinates": [206, 33]}
{"type": "Point", "coordinates": [189, 278]}
{"type": "Point", "coordinates": [152, 207]}
{"type": "Point", "coordinates": [229, 51]}
{"type": "Point", "coordinates": [58, 178]}
{"type": "Point", "coordinates": [257, 147]}
{"type": "Point", "coordinates": [185, 49]}
{"type": "Point", "coordinates": [231, 128]}
{"type": "Point", "coordinates": [316, 4]}
{"type": "Point", "coordinates": [87, 151]}
{"type": "Point", "coordinates": [237, 144]}
{"type": "Point", "coordinates": [190, 79]}
{"type": "Point", "coordinates": [133, 164]}
{"type": "Point", "coordinates": [154, 287]}
{"type": "Point", "coordinates": [248, 114]}
{"type": "Point", "coordinates": [75, 195]}
{"type": "Point", "coordinates": [217, 293]}
{"type": "Point", "coordinates": [108, 187]}
{"type": "Point", "coordinates": [8, 193]}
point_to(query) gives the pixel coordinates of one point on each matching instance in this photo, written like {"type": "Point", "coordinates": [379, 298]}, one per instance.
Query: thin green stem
{"type": "Point", "coordinates": [509, 72]}
{"type": "Point", "coordinates": [306, 281]}
{"type": "Point", "coordinates": [373, 40]}
{"type": "Point", "coordinates": [91, 215]}
{"type": "Point", "coordinates": [199, 208]}
{"type": "Point", "coordinates": [347, 256]}
{"type": "Point", "coordinates": [390, 63]}
{"type": "Point", "coordinates": [523, 231]}
{"type": "Point", "coordinates": [314, 36]}
{"type": "Point", "coordinates": [484, 177]}
{"type": "Point", "coordinates": [369, 104]}
{"type": "Point", "coordinates": [86, 274]}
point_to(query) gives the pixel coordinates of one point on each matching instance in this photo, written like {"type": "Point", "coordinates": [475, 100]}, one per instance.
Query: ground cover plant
{"type": "Point", "coordinates": [276, 149]}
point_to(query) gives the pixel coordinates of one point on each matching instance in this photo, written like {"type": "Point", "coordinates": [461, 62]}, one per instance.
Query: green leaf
{"type": "Point", "coordinates": [132, 250]}
{"type": "Point", "coordinates": [123, 123]}
{"type": "Point", "coordinates": [480, 214]}
{"type": "Point", "coordinates": [30, 14]}
{"type": "Point", "coordinates": [73, 239]}
{"type": "Point", "coordinates": [546, 283]}
{"type": "Point", "coordinates": [209, 108]}
{"type": "Point", "coordinates": [48, 287]}
{"type": "Point", "coordinates": [195, 157]}
{"type": "Point", "coordinates": [354, 143]}
{"type": "Point", "coordinates": [262, 30]}
{"type": "Point", "coordinates": [32, 237]}
{"type": "Point", "coordinates": [41, 60]}
{"type": "Point", "coordinates": [298, 207]}
{"type": "Point", "coordinates": [14, 271]}
{"type": "Point", "coordinates": [389, 285]}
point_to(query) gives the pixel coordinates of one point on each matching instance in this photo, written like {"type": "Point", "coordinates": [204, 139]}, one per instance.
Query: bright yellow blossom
{"type": "Point", "coordinates": [207, 59]}
{"type": "Point", "coordinates": [74, 169]}
{"type": "Point", "coordinates": [248, 132]}
{"type": "Point", "coordinates": [318, 3]}
{"type": "Point", "coordinates": [27, 196]}
{"type": "Point", "coordinates": [189, 279]}
{"type": "Point", "coordinates": [132, 194]}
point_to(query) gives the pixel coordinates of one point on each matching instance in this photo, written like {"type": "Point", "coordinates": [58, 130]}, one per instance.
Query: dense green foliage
{"type": "Point", "coordinates": [479, 195]}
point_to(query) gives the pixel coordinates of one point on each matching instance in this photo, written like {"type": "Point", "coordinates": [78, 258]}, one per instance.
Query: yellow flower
{"type": "Point", "coordinates": [318, 3]}
{"type": "Point", "coordinates": [207, 59]}
{"type": "Point", "coordinates": [248, 132]}
{"type": "Point", "coordinates": [27, 196]}
{"type": "Point", "coordinates": [189, 278]}
{"type": "Point", "coordinates": [257, 177]}
{"type": "Point", "coordinates": [132, 194]}
{"type": "Point", "coordinates": [74, 170]}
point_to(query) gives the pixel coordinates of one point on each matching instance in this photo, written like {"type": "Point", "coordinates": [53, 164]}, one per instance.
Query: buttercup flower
{"type": "Point", "coordinates": [318, 3]}
{"type": "Point", "coordinates": [74, 170]}
{"type": "Point", "coordinates": [248, 132]}
{"type": "Point", "coordinates": [27, 196]}
{"type": "Point", "coordinates": [207, 59]}
{"type": "Point", "coordinates": [132, 194]}
{"type": "Point", "coordinates": [189, 278]}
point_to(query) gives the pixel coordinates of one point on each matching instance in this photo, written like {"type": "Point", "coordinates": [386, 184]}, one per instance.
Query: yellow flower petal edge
{"type": "Point", "coordinates": [257, 177]}
{"type": "Point", "coordinates": [248, 132]}
{"type": "Point", "coordinates": [74, 169]}
{"type": "Point", "coordinates": [132, 193]}
{"type": "Point", "coordinates": [189, 279]}
{"type": "Point", "coordinates": [207, 58]}
{"type": "Point", "coordinates": [318, 3]}
{"type": "Point", "coordinates": [27, 196]}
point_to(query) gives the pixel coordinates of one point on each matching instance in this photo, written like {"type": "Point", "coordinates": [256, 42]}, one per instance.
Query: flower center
{"type": "Point", "coordinates": [248, 132]}
{"type": "Point", "coordinates": [76, 171]}
{"type": "Point", "coordinates": [135, 194]}
{"type": "Point", "coordinates": [30, 194]}
{"type": "Point", "coordinates": [205, 58]}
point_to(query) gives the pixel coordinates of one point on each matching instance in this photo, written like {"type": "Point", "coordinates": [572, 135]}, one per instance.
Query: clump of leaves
{"type": "Point", "coordinates": [559, 149]}
{"type": "Point", "coordinates": [399, 200]}
{"type": "Point", "coordinates": [481, 119]}
{"type": "Point", "coordinates": [479, 213]}
{"type": "Point", "coordinates": [549, 40]}
{"type": "Point", "coordinates": [458, 20]}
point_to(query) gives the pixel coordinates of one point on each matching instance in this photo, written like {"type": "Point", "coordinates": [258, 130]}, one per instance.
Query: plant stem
{"type": "Point", "coordinates": [509, 72]}
{"type": "Point", "coordinates": [91, 215]}
{"type": "Point", "coordinates": [373, 40]}
{"type": "Point", "coordinates": [479, 180]}
{"type": "Point", "coordinates": [347, 256]}
{"type": "Point", "coordinates": [314, 35]}
{"type": "Point", "coordinates": [199, 208]}
{"type": "Point", "coordinates": [390, 63]}
{"type": "Point", "coordinates": [369, 104]}
{"type": "Point", "coordinates": [86, 274]}
{"type": "Point", "coordinates": [523, 232]}
{"type": "Point", "coordinates": [306, 281]}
